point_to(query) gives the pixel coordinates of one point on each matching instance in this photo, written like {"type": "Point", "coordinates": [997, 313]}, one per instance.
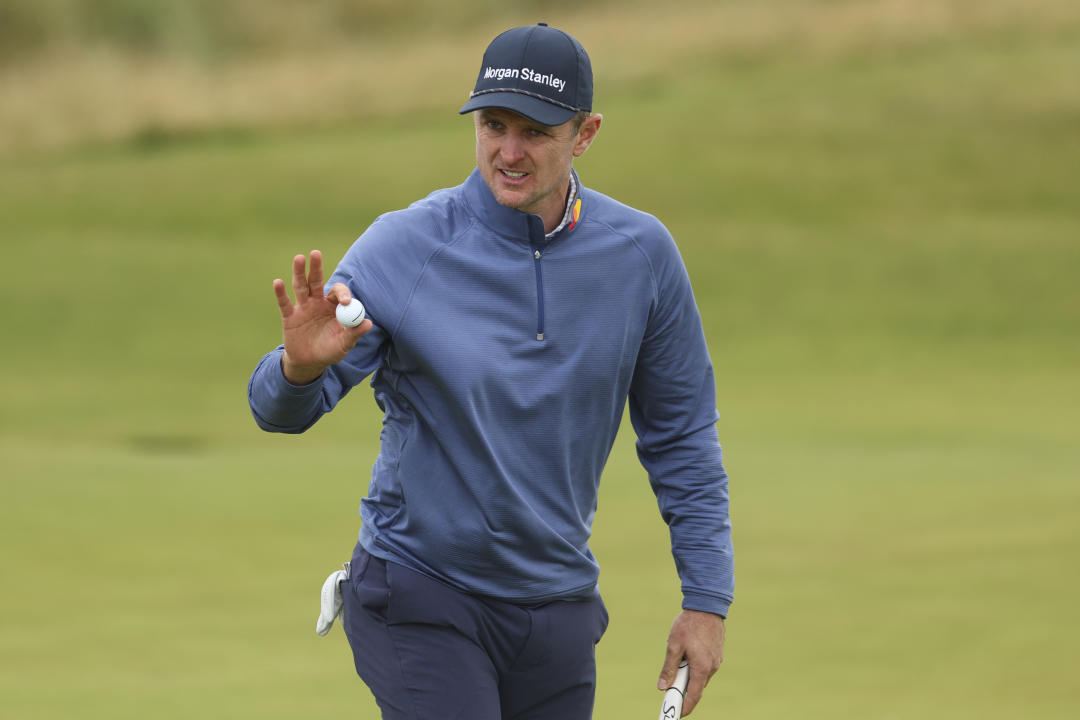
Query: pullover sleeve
{"type": "Point", "coordinates": [378, 273]}
{"type": "Point", "coordinates": [380, 269]}
{"type": "Point", "coordinates": [280, 406]}
{"type": "Point", "coordinates": [673, 411]}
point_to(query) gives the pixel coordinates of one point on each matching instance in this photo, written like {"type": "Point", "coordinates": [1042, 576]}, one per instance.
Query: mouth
{"type": "Point", "coordinates": [513, 175]}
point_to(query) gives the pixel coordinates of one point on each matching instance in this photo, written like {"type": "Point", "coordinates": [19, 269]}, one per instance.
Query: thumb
{"type": "Point", "coordinates": [361, 329]}
{"type": "Point", "coordinates": [350, 335]}
{"type": "Point", "coordinates": [671, 665]}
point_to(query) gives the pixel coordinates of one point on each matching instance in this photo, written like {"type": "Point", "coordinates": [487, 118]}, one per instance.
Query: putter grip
{"type": "Point", "coordinates": [671, 709]}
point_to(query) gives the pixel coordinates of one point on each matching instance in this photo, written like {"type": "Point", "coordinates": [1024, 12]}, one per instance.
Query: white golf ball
{"type": "Point", "coordinates": [352, 314]}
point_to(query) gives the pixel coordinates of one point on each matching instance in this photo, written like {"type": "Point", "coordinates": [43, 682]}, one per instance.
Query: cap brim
{"type": "Point", "coordinates": [535, 109]}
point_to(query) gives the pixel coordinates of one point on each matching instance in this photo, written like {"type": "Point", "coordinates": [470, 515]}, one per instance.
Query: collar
{"type": "Point", "coordinates": [513, 223]}
{"type": "Point", "coordinates": [570, 198]}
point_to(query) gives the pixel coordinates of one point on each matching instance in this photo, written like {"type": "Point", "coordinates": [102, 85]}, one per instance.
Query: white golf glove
{"type": "Point", "coordinates": [330, 603]}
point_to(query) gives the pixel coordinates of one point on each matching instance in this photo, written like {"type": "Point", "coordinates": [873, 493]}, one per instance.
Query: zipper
{"type": "Point", "coordinates": [539, 295]}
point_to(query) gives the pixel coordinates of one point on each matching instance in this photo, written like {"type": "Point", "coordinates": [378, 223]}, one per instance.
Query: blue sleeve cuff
{"type": "Point", "coordinates": [277, 404]}
{"type": "Point", "coordinates": [706, 603]}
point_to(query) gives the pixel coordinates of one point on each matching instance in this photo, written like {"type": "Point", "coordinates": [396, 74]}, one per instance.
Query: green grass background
{"type": "Point", "coordinates": [881, 217]}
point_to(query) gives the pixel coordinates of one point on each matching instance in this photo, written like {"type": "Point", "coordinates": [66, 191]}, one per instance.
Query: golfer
{"type": "Point", "coordinates": [510, 319]}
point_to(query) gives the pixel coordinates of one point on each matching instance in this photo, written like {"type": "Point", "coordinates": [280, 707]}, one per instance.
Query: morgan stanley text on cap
{"type": "Point", "coordinates": [537, 71]}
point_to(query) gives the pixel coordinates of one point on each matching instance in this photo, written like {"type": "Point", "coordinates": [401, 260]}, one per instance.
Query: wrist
{"type": "Point", "coordinates": [299, 374]}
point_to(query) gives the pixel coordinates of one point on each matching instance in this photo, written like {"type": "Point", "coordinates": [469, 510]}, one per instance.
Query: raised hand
{"type": "Point", "coordinates": [314, 339]}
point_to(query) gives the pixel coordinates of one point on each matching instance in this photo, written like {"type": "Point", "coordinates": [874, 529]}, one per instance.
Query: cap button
{"type": "Point", "coordinates": [542, 24]}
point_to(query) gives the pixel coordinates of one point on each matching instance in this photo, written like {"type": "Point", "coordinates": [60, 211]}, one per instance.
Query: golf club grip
{"type": "Point", "coordinates": [671, 708]}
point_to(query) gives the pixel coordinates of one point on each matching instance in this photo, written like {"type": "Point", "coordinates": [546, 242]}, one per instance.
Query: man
{"type": "Point", "coordinates": [510, 319]}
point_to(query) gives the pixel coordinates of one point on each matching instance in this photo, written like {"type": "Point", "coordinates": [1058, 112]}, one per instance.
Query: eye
{"type": "Point", "coordinates": [535, 132]}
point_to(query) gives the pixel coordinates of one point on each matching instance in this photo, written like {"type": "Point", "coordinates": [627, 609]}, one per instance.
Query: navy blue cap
{"type": "Point", "coordinates": [537, 71]}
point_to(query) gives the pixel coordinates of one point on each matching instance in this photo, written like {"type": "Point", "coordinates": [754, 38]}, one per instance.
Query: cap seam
{"type": "Point", "coordinates": [581, 74]}
{"type": "Point", "coordinates": [525, 50]}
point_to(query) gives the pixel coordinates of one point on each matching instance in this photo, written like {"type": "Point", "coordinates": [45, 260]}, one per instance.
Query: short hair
{"type": "Point", "coordinates": [579, 119]}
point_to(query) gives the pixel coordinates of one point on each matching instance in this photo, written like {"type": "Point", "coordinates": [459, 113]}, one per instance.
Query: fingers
{"type": "Point", "coordinates": [299, 278]}
{"type": "Point", "coordinates": [282, 297]}
{"type": "Point", "coordinates": [671, 665]}
{"type": "Point", "coordinates": [361, 329]}
{"type": "Point", "coordinates": [315, 277]}
{"type": "Point", "coordinates": [694, 689]}
{"type": "Point", "coordinates": [339, 294]}
{"type": "Point", "coordinates": [305, 283]}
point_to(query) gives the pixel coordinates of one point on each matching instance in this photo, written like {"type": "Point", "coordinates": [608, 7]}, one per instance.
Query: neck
{"type": "Point", "coordinates": [553, 216]}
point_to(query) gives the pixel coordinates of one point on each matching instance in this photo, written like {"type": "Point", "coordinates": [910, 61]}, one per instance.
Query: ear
{"type": "Point", "coordinates": [587, 133]}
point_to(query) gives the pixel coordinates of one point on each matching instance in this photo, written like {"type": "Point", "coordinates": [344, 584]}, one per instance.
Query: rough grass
{"type": "Point", "coordinates": [315, 68]}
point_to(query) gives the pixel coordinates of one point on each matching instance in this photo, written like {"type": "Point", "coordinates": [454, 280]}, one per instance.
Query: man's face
{"type": "Point", "coordinates": [527, 165]}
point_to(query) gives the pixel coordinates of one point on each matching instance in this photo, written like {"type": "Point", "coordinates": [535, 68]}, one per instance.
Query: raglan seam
{"type": "Point", "coordinates": [423, 271]}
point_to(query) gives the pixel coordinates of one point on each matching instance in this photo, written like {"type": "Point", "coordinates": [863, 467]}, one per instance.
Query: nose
{"type": "Point", "coordinates": [512, 150]}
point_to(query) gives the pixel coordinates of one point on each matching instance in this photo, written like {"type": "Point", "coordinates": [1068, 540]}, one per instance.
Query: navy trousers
{"type": "Point", "coordinates": [429, 651]}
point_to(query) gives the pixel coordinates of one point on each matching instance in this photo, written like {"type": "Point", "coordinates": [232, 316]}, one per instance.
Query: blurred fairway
{"type": "Point", "coordinates": [881, 217]}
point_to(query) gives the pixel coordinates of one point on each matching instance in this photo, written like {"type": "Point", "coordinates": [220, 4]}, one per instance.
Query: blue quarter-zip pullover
{"type": "Point", "coordinates": [502, 361]}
